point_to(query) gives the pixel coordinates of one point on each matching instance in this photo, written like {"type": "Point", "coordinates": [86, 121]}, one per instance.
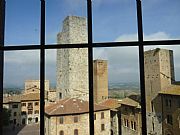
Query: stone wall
{"type": "Point", "coordinates": [30, 84]}
{"type": "Point", "coordinates": [132, 116]}
{"type": "Point", "coordinates": [100, 70]}
{"type": "Point", "coordinates": [159, 74]}
{"type": "Point", "coordinates": [72, 64]}
{"type": "Point", "coordinates": [82, 125]}
{"type": "Point", "coordinates": [174, 111]}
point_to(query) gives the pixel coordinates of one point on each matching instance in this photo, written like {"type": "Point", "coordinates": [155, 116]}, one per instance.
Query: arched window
{"type": "Point", "coordinates": [61, 132]}
{"type": "Point", "coordinates": [75, 131]}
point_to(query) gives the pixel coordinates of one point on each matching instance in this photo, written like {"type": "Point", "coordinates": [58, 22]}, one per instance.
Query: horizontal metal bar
{"type": "Point", "coordinates": [162, 42]}
{"type": "Point", "coordinates": [103, 44]}
{"type": "Point", "coordinates": [116, 44]}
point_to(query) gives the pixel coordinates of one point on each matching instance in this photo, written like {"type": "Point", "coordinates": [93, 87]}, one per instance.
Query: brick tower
{"type": "Point", "coordinates": [100, 80]}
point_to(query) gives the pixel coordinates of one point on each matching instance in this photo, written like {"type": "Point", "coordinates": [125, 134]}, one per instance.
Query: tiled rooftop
{"type": "Point", "coordinates": [71, 106]}
{"type": "Point", "coordinates": [130, 102]}
{"type": "Point", "coordinates": [111, 103]}
{"type": "Point", "coordinates": [15, 98]}
{"type": "Point", "coordinates": [22, 97]}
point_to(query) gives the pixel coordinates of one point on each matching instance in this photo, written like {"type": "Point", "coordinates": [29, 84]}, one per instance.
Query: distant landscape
{"type": "Point", "coordinates": [116, 90]}
{"type": "Point", "coordinates": [122, 90]}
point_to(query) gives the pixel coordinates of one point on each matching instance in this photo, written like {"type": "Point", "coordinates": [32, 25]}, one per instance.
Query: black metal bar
{"type": "Point", "coordinates": [103, 44]}
{"type": "Point", "coordinates": [90, 68]}
{"type": "Point", "coordinates": [2, 29]}
{"type": "Point", "coordinates": [162, 42]}
{"type": "Point", "coordinates": [141, 65]}
{"type": "Point", "coordinates": [42, 67]}
{"type": "Point", "coordinates": [116, 44]}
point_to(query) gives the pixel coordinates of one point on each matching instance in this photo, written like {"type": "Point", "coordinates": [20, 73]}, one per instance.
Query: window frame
{"type": "Point", "coordinates": [42, 47]}
{"type": "Point", "coordinates": [61, 120]}
{"type": "Point", "coordinates": [102, 127]}
{"type": "Point", "coordinates": [76, 118]}
{"type": "Point", "coordinates": [61, 132]}
{"type": "Point", "coordinates": [76, 132]}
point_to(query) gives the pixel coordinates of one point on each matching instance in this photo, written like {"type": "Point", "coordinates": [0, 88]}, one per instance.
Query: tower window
{"type": "Point", "coordinates": [76, 132]}
{"type": "Point", "coordinates": [102, 115]}
{"type": "Point", "coordinates": [60, 95]}
{"type": "Point", "coordinates": [61, 120]}
{"type": "Point", "coordinates": [169, 119]}
{"type": "Point", "coordinates": [75, 119]}
{"type": "Point", "coordinates": [102, 127]}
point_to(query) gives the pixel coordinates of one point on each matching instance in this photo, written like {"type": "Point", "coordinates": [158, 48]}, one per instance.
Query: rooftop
{"type": "Point", "coordinates": [130, 102]}
{"type": "Point", "coordinates": [30, 97]}
{"type": "Point", "coordinates": [111, 103]}
{"type": "Point", "coordinates": [171, 90]}
{"type": "Point", "coordinates": [22, 97]}
{"type": "Point", "coordinates": [10, 99]}
{"type": "Point", "coordinates": [71, 106]}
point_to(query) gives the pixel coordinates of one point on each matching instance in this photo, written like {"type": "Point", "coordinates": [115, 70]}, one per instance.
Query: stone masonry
{"type": "Point", "coordinates": [100, 80]}
{"type": "Point", "coordinates": [159, 74]}
{"type": "Point", "coordinates": [72, 64]}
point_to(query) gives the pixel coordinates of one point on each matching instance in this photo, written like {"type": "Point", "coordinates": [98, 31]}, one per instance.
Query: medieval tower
{"type": "Point", "coordinates": [72, 63]}
{"type": "Point", "coordinates": [159, 74]}
{"type": "Point", "coordinates": [100, 70]}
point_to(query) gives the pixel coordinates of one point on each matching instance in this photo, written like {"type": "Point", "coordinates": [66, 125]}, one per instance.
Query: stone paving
{"type": "Point", "coordinates": [22, 130]}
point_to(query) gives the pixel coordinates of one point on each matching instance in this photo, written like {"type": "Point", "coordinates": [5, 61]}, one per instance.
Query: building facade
{"type": "Point", "coordinates": [24, 108]}
{"type": "Point", "coordinates": [13, 104]}
{"type": "Point", "coordinates": [30, 108]}
{"type": "Point", "coordinates": [61, 119]}
{"type": "Point", "coordinates": [130, 117]}
{"type": "Point", "coordinates": [160, 78]}
{"type": "Point", "coordinates": [159, 74]}
{"type": "Point", "coordinates": [115, 115]}
{"type": "Point", "coordinates": [171, 110]}
{"type": "Point", "coordinates": [72, 64]}
{"type": "Point", "coordinates": [33, 85]}
{"type": "Point", "coordinates": [100, 70]}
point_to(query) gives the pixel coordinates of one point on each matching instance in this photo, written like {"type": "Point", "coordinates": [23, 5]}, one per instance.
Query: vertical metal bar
{"type": "Point", "coordinates": [90, 68]}
{"type": "Point", "coordinates": [2, 29]}
{"type": "Point", "coordinates": [42, 67]}
{"type": "Point", "coordinates": [141, 65]}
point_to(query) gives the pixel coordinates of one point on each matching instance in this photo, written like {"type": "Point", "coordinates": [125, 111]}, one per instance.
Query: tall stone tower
{"type": "Point", "coordinates": [72, 64]}
{"type": "Point", "coordinates": [159, 74]}
{"type": "Point", "coordinates": [100, 80]}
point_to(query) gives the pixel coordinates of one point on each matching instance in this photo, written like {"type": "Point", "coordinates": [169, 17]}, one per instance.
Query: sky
{"type": "Point", "coordinates": [113, 20]}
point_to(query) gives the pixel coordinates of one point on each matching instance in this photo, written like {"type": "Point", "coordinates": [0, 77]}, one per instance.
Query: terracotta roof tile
{"type": "Point", "coordinates": [130, 102]}
{"type": "Point", "coordinates": [71, 106]}
{"type": "Point", "coordinates": [22, 97]}
{"type": "Point", "coordinates": [10, 99]}
{"type": "Point", "coordinates": [111, 103]}
{"type": "Point", "coordinates": [30, 96]}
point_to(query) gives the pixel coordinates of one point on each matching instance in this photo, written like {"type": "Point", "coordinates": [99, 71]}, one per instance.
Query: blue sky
{"type": "Point", "coordinates": [113, 20]}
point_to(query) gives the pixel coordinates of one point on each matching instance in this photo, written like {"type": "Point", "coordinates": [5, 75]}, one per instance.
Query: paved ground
{"type": "Point", "coordinates": [22, 130]}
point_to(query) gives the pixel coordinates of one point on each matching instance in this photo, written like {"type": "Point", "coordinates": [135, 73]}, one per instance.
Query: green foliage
{"type": "Point", "coordinates": [6, 116]}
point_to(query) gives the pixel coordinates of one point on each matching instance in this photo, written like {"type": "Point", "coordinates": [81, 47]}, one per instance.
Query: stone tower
{"type": "Point", "coordinates": [72, 64]}
{"type": "Point", "coordinates": [159, 74]}
{"type": "Point", "coordinates": [100, 80]}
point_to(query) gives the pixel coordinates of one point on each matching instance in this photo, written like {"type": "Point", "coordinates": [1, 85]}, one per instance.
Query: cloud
{"type": "Point", "coordinates": [134, 37]}
{"type": "Point", "coordinates": [24, 65]}
{"type": "Point", "coordinates": [123, 64]}
{"type": "Point", "coordinates": [123, 61]}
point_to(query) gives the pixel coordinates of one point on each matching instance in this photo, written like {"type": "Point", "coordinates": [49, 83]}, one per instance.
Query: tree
{"type": "Point", "coordinates": [6, 116]}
